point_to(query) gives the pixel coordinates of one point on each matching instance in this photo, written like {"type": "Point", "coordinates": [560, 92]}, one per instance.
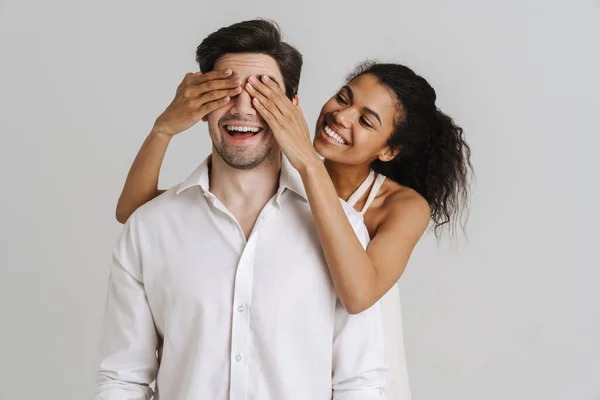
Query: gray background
{"type": "Point", "coordinates": [513, 313]}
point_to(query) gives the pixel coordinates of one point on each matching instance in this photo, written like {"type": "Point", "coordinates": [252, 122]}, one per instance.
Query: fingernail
{"type": "Point", "coordinates": [265, 78]}
{"type": "Point", "coordinates": [249, 86]}
{"type": "Point", "coordinates": [252, 79]}
{"type": "Point", "coordinates": [236, 81]}
{"type": "Point", "coordinates": [227, 71]}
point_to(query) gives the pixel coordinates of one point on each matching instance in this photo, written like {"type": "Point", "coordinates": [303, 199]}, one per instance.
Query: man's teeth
{"type": "Point", "coordinates": [334, 135]}
{"type": "Point", "coordinates": [233, 128]}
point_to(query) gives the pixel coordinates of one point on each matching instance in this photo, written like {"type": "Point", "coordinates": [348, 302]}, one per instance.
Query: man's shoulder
{"type": "Point", "coordinates": [354, 217]}
{"type": "Point", "coordinates": [166, 203]}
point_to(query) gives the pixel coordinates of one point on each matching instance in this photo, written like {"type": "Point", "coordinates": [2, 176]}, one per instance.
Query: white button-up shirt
{"type": "Point", "coordinates": [209, 315]}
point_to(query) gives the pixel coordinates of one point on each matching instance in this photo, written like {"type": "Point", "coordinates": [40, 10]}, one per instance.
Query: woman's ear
{"type": "Point", "coordinates": [296, 100]}
{"type": "Point", "coordinates": [388, 154]}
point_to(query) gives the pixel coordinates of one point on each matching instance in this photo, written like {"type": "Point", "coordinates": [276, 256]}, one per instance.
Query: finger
{"type": "Point", "coordinates": [266, 102]}
{"type": "Point", "coordinates": [271, 84]}
{"type": "Point", "coordinates": [215, 95]}
{"type": "Point", "coordinates": [199, 78]}
{"type": "Point", "coordinates": [261, 87]}
{"type": "Point", "coordinates": [207, 108]}
{"type": "Point", "coordinates": [271, 90]}
{"type": "Point", "coordinates": [184, 80]}
{"type": "Point", "coordinates": [194, 91]}
{"type": "Point", "coordinates": [267, 115]}
{"type": "Point", "coordinates": [267, 83]}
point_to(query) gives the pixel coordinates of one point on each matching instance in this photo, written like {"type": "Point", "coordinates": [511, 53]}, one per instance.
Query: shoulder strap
{"type": "Point", "coordinates": [362, 189]}
{"type": "Point", "coordinates": [373, 193]}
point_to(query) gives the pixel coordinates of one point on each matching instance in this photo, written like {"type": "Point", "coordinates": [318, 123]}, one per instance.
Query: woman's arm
{"type": "Point", "coordinates": [196, 96]}
{"type": "Point", "coordinates": [360, 277]}
{"type": "Point", "coordinates": [141, 185]}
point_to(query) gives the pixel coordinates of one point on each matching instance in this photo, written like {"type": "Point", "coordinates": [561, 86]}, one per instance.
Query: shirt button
{"type": "Point", "coordinates": [238, 358]}
{"type": "Point", "coordinates": [241, 309]}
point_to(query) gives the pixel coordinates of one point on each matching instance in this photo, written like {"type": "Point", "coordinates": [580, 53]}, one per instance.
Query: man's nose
{"type": "Point", "coordinates": [242, 105]}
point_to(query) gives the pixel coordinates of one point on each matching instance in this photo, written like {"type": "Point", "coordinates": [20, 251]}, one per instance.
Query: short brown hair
{"type": "Point", "coordinates": [254, 36]}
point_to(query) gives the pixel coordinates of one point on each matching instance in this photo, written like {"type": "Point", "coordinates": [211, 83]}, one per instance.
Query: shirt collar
{"type": "Point", "coordinates": [197, 178]}
{"type": "Point", "coordinates": [288, 179]}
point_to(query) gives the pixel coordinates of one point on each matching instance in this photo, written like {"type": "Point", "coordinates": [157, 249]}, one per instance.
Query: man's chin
{"type": "Point", "coordinates": [242, 161]}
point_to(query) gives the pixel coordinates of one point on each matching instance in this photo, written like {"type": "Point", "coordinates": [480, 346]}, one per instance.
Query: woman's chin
{"type": "Point", "coordinates": [326, 150]}
{"type": "Point", "coordinates": [319, 145]}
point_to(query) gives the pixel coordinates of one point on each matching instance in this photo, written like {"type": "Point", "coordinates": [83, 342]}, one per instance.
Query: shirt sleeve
{"type": "Point", "coordinates": [359, 367]}
{"type": "Point", "coordinates": [128, 360]}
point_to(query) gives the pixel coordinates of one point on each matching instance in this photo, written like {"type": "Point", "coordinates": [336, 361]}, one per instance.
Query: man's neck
{"type": "Point", "coordinates": [244, 192]}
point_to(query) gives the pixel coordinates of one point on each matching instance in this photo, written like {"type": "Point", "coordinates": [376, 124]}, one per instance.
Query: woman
{"type": "Point", "coordinates": [389, 152]}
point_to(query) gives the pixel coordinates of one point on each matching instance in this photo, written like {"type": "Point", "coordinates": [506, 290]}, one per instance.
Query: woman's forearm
{"type": "Point", "coordinates": [141, 185]}
{"type": "Point", "coordinates": [353, 274]}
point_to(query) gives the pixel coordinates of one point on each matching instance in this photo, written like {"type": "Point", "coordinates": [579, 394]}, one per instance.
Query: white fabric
{"type": "Point", "coordinates": [213, 316]}
{"type": "Point", "coordinates": [398, 384]}
{"type": "Point", "coordinates": [362, 189]}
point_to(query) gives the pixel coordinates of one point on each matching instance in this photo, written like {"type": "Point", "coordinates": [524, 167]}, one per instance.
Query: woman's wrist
{"type": "Point", "coordinates": [158, 134]}
{"type": "Point", "coordinates": [312, 167]}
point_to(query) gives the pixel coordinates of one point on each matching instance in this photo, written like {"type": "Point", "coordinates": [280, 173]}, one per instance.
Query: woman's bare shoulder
{"type": "Point", "coordinates": [401, 199]}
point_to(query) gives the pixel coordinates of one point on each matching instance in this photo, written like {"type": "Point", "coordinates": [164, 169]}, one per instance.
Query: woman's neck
{"type": "Point", "coordinates": [346, 178]}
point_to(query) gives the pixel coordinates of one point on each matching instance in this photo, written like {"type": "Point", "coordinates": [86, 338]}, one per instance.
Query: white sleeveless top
{"type": "Point", "coordinates": [398, 386]}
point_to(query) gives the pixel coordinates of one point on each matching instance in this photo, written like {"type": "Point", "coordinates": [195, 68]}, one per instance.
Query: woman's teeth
{"type": "Point", "coordinates": [334, 135]}
{"type": "Point", "coordinates": [232, 128]}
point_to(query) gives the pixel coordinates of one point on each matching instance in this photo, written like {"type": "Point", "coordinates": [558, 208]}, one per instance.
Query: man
{"type": "Point", "coordinates": [219, 289]}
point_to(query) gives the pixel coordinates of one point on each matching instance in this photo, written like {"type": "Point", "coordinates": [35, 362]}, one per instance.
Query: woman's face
{"type": "Point", "coordinates": [355, 124]}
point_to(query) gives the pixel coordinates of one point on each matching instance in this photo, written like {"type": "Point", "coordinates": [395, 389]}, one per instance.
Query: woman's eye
{"type": "Point", "coordinates": [365, 122]}
{"type": "Point", "coordinates": [340, 99]}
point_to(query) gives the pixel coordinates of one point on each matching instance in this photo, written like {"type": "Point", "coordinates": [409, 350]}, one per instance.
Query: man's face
{"type": "Point", "coordinates": [239, 134]}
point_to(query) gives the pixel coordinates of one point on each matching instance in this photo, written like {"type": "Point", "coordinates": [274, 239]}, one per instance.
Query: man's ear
{"type": "Point", "coordinates": [388, 154]}
{"type": "Point", "coordinates": [296, 100]}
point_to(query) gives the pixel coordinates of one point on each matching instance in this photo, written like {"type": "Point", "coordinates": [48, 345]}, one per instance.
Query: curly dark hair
{"type": "Point", "coordinates": [434, 158]}
{"type": "Point", "coordinates": [259, 36]}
